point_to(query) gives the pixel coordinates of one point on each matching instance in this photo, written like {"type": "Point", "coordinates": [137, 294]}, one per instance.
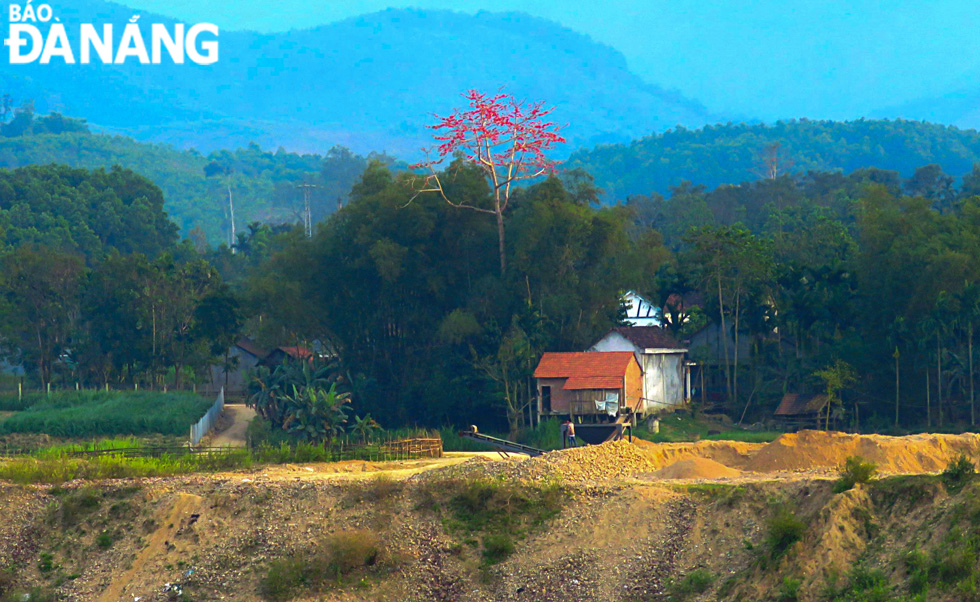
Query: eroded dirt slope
{"type": "Point", "coordinates": [619, 533]}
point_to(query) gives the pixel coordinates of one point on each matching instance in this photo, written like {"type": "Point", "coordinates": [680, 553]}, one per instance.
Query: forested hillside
{"type": "Point", "coordinates": [263, 184]}
{"type": "Point", "coordinates": [387, 72]}
{"type": "Point", "coordinates": [736, 153]}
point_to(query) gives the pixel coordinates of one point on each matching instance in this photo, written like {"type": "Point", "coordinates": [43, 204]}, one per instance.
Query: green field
{"type": "Point", "coordinates": [83, 414]}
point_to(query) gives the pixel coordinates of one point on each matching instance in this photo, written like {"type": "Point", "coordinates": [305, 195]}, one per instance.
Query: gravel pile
{"type": "Point", "coordinates": [22, 517]}
{"type": "Point", "coordinates": [588, 463]}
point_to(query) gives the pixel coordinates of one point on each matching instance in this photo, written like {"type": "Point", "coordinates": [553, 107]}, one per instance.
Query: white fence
{"type": "Point", "coordinates": [206, 423]}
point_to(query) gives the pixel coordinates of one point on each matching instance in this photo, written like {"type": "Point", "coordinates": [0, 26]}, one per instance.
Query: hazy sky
{"type": "Point", "coordinates": [764, 58]}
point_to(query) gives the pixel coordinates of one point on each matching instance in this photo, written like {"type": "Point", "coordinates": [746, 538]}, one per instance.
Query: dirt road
{"type": "Point", "coordinates": [233, 424]}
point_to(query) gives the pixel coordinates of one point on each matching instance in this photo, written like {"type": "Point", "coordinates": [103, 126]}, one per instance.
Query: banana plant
{"type": "Point", "coordinates": [272, 393]}
{"type": "Point", "coordinates": [316, 415]}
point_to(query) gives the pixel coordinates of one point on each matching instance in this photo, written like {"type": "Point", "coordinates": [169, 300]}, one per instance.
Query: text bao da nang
{"type": "Point", "coordinates": [105, 43]}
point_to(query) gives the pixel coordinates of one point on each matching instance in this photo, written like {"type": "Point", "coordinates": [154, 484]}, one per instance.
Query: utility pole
{"type": "Point", "coordinates": [231, 210]}
{"type": "Point", "coordinates": [307, 215]}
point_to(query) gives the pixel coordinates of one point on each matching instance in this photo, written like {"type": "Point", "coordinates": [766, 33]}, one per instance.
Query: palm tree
{"type": "Point", "coordinates": [896, 336]}
{"type": "Point", "coordinates": [363, 427]}
{"type": "Point", "coordinates": [969, 300]}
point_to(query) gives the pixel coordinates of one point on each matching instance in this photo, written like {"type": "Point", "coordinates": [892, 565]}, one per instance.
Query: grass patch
{"type": "Point", "coordinates": [696, 582]}
{"type": "Point", "coordinates": [9, 402]}
{"type": "Point", "coordinates": [492, 514]}
{"type": "Point", "coordinates": [783, 530]}
{"type": "Point", "coordinates": [497, 547]}
{"type": "Point", "coordinates": [107, 413]}
{"type": "Point", "coordinates": [720, 492]}
{"type": "Point", "coordinates": [789, 590]}
{"type": "Point", "coordinates": [75, 506]}
{"type": "Point", "coordinates": [950, 567]}
{"type": "Point", "coordinates": [855, 470]}
{"type": "Point", "coordinates": [61, 470]}
{"type": "Point", "coordinates": [104, 540]}
{"type": "Point", "coordinates": [863, 585]}
{"type": "Point", "coordinates": [340, 559]}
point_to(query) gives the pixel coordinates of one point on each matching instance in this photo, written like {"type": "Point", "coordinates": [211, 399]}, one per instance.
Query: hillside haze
{"type": "Point", "coordinates": [370, 83]}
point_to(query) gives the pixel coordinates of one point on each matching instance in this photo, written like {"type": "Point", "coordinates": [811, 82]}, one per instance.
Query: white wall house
{"type": "Point", "coordinates": [640, 311]}
{"type": "Point", "coordinates": [666, 378]}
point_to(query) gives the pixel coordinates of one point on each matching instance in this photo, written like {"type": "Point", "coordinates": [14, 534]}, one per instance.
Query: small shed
{"type": "Point", "coordinates": [802, 409]}
{"type": "Point", "coordinates": [598, 385]}
{"type": "Point", "coordinates": [243, 356]}
{"type": "Point", "coordinates": [666, 374]}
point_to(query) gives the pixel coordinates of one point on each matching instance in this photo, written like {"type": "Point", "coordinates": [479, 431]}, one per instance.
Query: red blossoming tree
{"type": "Point", "coordinates": [505, 138]}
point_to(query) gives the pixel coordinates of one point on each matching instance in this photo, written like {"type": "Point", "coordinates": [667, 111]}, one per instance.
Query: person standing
{"type": "Point", "coordinates": [571, 434]}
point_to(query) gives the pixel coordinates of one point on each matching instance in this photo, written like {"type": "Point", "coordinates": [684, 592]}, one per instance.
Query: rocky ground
{"type": "Point", "coordinates": [617, 533]}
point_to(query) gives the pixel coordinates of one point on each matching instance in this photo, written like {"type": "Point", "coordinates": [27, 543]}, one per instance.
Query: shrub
{"type": "Point", "coordinates": [696, 582]}
{"type": "Point", "coordinates": [350, 550]}
{"type": "Point", "coordinates": [789, 591]}
{"type": "Point", "coordinates": [339, 557]}
{"type": "Point", "coordinates": [76, 505]}
{"type": "Point", "coordinates": [104, 540]}
{"type": "Point", "coordinates": [959, 471]}
{"type": "Point", "coordinates": [284, 577]}
{"type": "Point", "coordinates": [785, 529]}
{"type": "Point", "coordinates": [855, 470]}
{"type": "Point", "coordinates": [497, 548]}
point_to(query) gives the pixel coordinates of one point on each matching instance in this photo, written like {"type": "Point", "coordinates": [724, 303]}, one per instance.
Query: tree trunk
{"type": "Point", "coordinates": [500, 241]}
{"type": "Point", "coordinates": [896, 386]}
{"type": "Point", "coordinates": [724, 340]}
{"type": "Point", "coordinates": [231, 212]}
{"type": "Point", "coordinates": [738, 309]}
{"type": "Point", "coordinates": [969, 345]}
{"type": "Point", "coordinates": [928, 403]}
{"type": "Point", "coordinates": [939, 377]}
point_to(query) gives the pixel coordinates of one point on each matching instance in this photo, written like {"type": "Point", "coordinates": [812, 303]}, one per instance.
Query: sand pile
{"type": "Point", "coordinates": [736, 454]}
{"type": "Point", "coordinates": [696, 468]}
{"type": "Point", "coordinates": [818, 449]}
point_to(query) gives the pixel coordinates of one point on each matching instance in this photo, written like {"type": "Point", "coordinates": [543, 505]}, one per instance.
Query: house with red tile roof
{"type": "Point", "coordinates": [598, 385]}
{"type": "Point", "coordinates": [286, 354]}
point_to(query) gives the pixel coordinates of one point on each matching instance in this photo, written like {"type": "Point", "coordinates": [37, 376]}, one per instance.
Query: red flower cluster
{"type": "Point", "coordinates": [498, 131]}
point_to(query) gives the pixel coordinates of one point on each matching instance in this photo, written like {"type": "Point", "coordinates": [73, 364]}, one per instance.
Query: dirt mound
{"type": "Point", "coordinates": [841, 530]}
{"type": "Point", "coordinates": [735, 454]}
{"type": "Point", "coordinates": [817, 449]}
{"type": "Point", "coordinates": [696, 468]}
